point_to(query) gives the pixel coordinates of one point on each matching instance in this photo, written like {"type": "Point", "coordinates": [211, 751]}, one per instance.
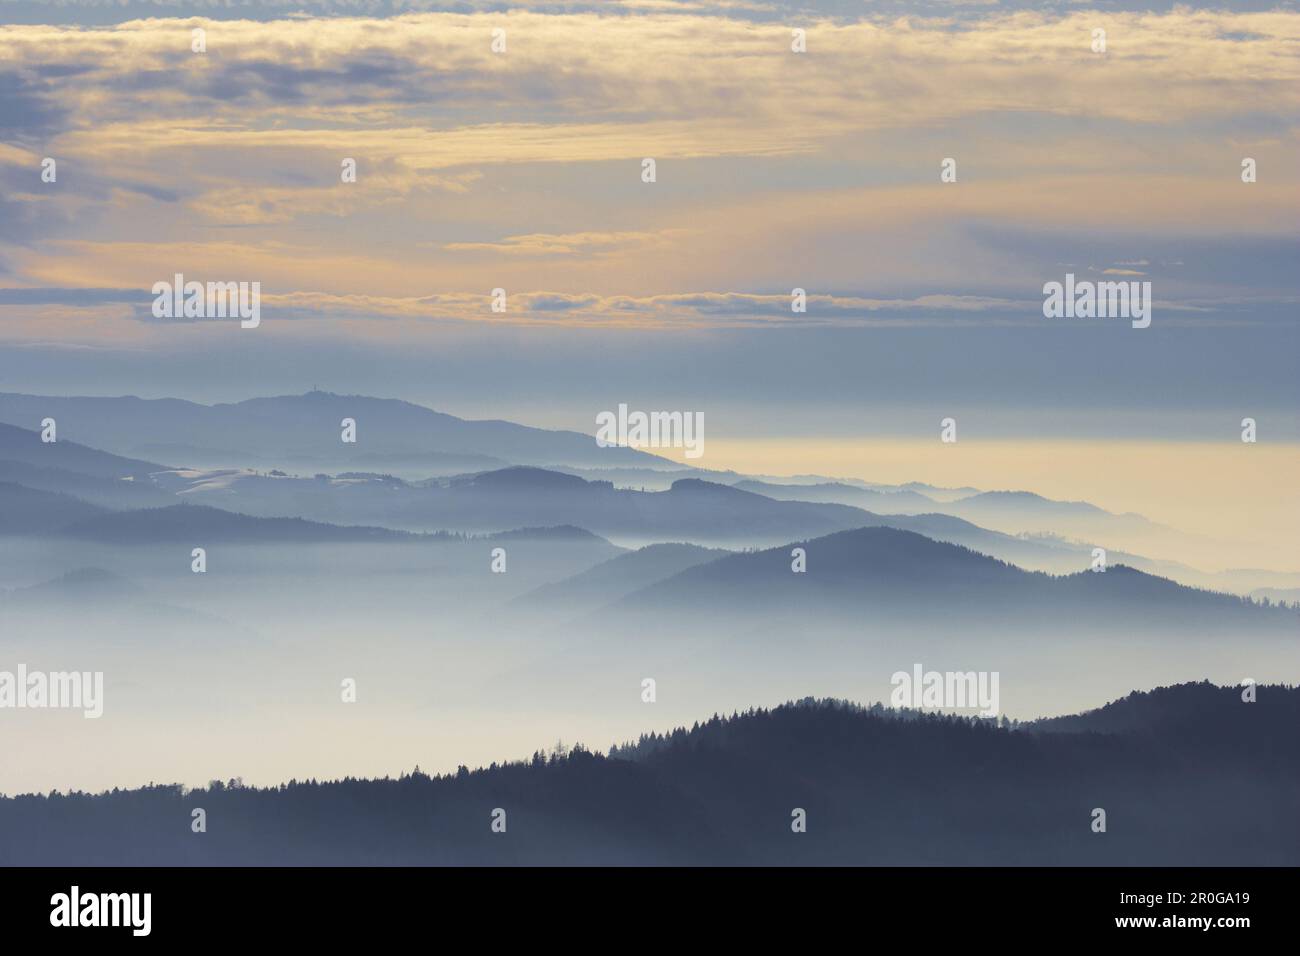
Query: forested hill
{"type": "Point", "coordinates": [876, 787]}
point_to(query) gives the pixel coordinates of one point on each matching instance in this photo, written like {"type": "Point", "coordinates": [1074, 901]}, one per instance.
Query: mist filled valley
{"type": "Point", "coordinates": [362, 623]}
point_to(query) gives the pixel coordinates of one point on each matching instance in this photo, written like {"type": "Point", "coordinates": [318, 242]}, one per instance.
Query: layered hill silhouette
{"type": "Point", "coordinates": [26, 510]}
{"type": "Point", "coordinates": [24, 446]}
{"type": "Point", "coordinates": [301, 433]}
{"type": "Point", "coordinates": [112, 493]}
{"type": "Point", "coordinates": [306, 427]}
{"type": "Point", "coordinates": [616, 577]}
{"type": "Point", "coordinates": [870, 572]}
{"type": "Point", "coordinates": [870, 499]}
{"type": "Point", "coordinates": [1024, 510]}
{"type": "Point", "coordinates": [364, 506]}
{"type": "Point", "coordinates": [876, 787]}
{"type": "Point", "coordinates": [507, 499]}
{"type": "Point", "coordinates": [691, 510]}
{"type": "Point", "coordinates": [187, 523]}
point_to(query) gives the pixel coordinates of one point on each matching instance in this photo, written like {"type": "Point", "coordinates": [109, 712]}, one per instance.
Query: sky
{"type": "Point", "coordinates": [775, 170]}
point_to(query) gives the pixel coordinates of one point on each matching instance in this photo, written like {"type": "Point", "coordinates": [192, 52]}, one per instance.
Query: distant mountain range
{"type": "Point", "coordinates": [198, 524]}
{"type": "Point", "coordinates": [292, 430]}
{"type": "Point", "coordinates": [690, 510]}
{"type": "Point", "coordinates": [94, 549]}
{"type": "Point", "coordinates": [616, 578]}
{"type": "Point", "coordinates": [23, 445]}
{"type": "Point", "coordinates": [872, 786]}
{"type": "Point", "coordinates": [1013, 511]}
{"type": "Point", "coordinates": [873, 569]}
{"type": "Point", "coordinates": [26, 510]}
{"type": "Point", "coordinates": [296, 431]}
{"type": "Point", "coordinates": [868, 573]}
{"type": "Point", "coordinates": [733, 511]}
{"type": "Point", "coordinates": [1026, 511]}
{"type": "Point", "coordinates": [881, 502]}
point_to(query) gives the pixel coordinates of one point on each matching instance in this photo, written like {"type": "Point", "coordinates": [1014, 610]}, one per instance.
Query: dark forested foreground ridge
{"type": "Point", "coordinates": [1191, 775]}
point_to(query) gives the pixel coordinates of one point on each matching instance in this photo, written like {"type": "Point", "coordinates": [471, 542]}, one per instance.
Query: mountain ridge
{"type": "Point", "coordinates": [873, 788]}
{"type": "Point", "coordinates": [307, 427]}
